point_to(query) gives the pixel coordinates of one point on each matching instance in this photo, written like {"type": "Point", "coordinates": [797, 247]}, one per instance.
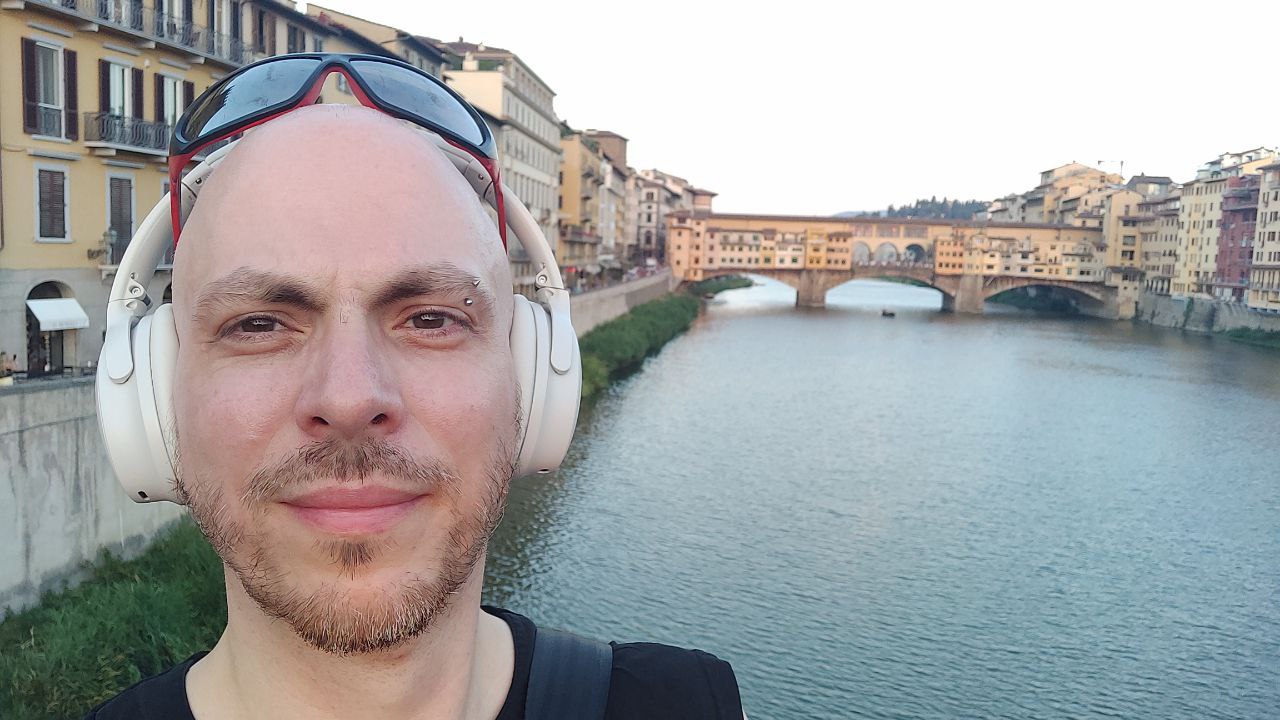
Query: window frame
{"type": "Point", "coordinates": [60, 74]}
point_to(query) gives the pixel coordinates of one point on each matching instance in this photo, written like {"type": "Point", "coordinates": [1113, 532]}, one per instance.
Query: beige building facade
{"type": "Point", "coordinates": [498, 83]}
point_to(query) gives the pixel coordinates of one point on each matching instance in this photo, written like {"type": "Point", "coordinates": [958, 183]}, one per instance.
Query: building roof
{"type": "Point", "coordinates": [479, 50]}
{"type": "Point", "coordinates": [700, 191]}
{"type": "Point", "coordinates": [1155, 179]}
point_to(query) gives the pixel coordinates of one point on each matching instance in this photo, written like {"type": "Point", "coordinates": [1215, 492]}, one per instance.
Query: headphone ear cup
{"type": "Point", "coordinates": [549, 400]}
{"type": "Point", "coordinates": [530, 354]}
{"type": "Point", "coordinates": [135, 415]}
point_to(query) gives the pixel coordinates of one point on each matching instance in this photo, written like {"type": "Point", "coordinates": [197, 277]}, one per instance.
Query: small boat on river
{"type": "Point", "coordinates": [888, 313]}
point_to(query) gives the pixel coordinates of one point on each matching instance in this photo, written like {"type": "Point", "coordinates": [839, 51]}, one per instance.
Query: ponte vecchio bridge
{"type": "Point", "coordinates": [968, 262]}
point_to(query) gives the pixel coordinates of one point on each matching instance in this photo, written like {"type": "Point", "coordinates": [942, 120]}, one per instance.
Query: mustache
{"type": "Point", "coordinates": [346, 462]}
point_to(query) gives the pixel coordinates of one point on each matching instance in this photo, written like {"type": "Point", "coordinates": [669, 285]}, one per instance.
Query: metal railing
{"type": "Point", "coordinates": [48, 120]}
{"type": "Point", "coordinates": [129, 132]}
{"type": "Point", "coordinates": [132, 16]}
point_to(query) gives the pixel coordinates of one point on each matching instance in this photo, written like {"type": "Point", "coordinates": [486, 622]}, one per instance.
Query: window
{"type": "Point", "coordinates": [295, 39]}
{"type": "Point", "coordinates": [48, 90]}
{"type": "Point", "coordinates": [119, 93]}
{"type": "Point", "coordinates": [51, 205]}
{"type": "Point", "coordinates": [119, 213]}
{"type": "Point", "coordinates": [168, 102]}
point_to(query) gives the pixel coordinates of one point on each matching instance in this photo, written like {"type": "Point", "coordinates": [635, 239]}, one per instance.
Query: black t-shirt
{"type": "Point", "coordinates": [648, 681]}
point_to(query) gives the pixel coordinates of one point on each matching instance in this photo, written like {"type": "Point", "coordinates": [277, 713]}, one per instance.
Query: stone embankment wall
{"type": "Point", "coordinates": [1200, 315]}
{"type": "Point", "coordinates": [589, 309]}
{"type": "Point", "coordinates": [60, 503]}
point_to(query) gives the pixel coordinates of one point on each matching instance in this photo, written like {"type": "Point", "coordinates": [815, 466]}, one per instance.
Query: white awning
{"type": "Point", "coordinates": [59, 314]}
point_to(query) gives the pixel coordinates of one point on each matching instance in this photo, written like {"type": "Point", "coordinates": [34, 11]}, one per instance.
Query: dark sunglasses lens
{"type": "Point", "coordinates": [416, 94]}
{"type": "Point", "coordinates": [252, 91]}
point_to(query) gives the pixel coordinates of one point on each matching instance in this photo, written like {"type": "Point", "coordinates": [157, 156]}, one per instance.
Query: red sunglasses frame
{"type": "Point", "coordinates": [177, 163]}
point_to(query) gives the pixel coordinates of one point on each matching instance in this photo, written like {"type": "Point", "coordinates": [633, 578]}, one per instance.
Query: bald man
{"type": "Point", "coordinates": [343, 308]}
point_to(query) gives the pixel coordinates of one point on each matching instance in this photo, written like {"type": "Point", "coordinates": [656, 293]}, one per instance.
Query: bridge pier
{"type": "Point", "coordinates": [968, 298]}
{"type": "Point", "coordinates": [814, 284]}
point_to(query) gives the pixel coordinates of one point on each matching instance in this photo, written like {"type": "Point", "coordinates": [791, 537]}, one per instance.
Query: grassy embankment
{"type": "Point", "coordinates": [132, 619]}
{"type": "Point", "coordinates": [617, 348]}
{"type": "Point", "coordinates": [129, 620]}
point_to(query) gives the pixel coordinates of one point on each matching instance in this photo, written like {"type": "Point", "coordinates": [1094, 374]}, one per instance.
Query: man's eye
{"type": "Point", "coordinates": [430, 320]}
{"type": "Point", "coordinates": [257, 325]}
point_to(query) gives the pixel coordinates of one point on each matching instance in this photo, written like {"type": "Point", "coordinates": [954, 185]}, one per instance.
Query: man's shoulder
{"type": "Point", "coordinates": [654, 680]}
{"type": "Point", "coordinates": [159, 696]}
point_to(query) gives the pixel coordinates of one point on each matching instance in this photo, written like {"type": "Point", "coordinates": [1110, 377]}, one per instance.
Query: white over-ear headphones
{"type": "Point", "coordinates": [136, 371]}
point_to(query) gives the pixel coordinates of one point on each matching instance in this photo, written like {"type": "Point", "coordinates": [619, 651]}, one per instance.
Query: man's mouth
{"type": "Point", "coordinates": [364, 509]}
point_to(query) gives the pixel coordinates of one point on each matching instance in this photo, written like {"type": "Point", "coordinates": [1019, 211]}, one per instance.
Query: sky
{"type": "Point", "coordinates": [820, 107]}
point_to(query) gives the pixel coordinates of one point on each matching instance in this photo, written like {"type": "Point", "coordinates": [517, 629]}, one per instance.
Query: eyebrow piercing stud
{"type": "Point", "coordinates": [475, 283]}
{"type": "Point", "coordinates": [467, 301]}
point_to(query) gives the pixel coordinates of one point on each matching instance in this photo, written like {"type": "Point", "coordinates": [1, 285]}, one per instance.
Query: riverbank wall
{"type": "Point", "coordinates": [1202, 315]}
{"type": "Point", "coordinates": [590, 309]}
{"type": "Point", "coordinates": [60, 503]}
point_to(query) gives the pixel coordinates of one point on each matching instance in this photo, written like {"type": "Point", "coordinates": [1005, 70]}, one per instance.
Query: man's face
{"type": "Point", "coordinates": [345, 398]}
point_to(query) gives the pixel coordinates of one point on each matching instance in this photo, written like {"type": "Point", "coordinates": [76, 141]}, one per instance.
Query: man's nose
{"type": "Point", "coordinates": [349, 389]}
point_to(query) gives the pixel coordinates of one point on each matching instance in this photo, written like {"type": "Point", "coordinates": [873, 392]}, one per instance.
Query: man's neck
{"type": "Point", "coordinates": [459, 669]}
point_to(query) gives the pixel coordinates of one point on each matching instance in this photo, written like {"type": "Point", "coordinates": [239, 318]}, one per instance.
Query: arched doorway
{"type": "Point", "coordinates": [886, 253]}
{"type": "Point", "coordinates": [53, 316]}
{"type": "Point", "coordinates": [915, 253]}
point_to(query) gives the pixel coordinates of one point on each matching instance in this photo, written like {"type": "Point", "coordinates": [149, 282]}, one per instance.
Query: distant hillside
{"type": "Point", "coordinates": [931, 208]}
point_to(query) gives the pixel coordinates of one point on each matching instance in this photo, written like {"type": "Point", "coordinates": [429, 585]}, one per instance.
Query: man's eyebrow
{"type": "Point", "coordinates": [439, 279]}
{"type": "Point", "coordinates": [250, 285]}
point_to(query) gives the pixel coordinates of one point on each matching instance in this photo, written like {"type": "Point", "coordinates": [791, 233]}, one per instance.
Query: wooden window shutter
{"type": "Point", "coordinates": [52, 186]}
{"type": "Point", "coordinates": [159, 97]}
{"type": "Point", "coordinates": [121, 207]}
{"type": "Point", "coordinates": [30, 83]}
{"type": "Point", "coordinates": [104, 85]}
{"type": "Point", "coordinates": [137, 93]}
{"type": "Point", "coordinates": [71, 103]}
{"type": "Point", "coordinates": [188, 94]}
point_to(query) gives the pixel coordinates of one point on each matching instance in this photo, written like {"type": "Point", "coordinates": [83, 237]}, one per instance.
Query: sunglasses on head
{"type": "Point", "coordinates": [272, 87]}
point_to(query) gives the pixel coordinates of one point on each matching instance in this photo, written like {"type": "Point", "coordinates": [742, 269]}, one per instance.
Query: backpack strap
{"type": "Point", "coordinates": [569, 678]}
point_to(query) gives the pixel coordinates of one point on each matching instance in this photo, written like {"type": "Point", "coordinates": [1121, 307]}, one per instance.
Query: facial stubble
{"type": "Point", "coordinates": [346, 620]}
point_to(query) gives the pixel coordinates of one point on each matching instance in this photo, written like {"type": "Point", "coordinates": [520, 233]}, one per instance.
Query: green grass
{"type": "Point", "coordinates": [1252, 336]}
{"type": "Point", "coordinates": [618, 347]}
{"type": "Point", "coordinates": [128, 620]}
{"type": "Point", "coordinates": [718, 285]}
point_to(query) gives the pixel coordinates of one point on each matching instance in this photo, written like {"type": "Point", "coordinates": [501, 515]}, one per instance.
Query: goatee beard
{"type": "Point", "coordinates": [347, 620]}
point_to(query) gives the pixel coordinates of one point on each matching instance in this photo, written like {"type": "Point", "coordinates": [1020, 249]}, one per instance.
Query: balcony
{"type": "Point", "coordinates": [153, 27]}
{"type": "Point", "coordinates": [577, 235]}
{"type": "Point", "coordinates": [117, 132]}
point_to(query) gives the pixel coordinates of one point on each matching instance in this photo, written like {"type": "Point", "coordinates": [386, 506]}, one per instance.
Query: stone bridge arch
{"type": "Point", "coordinates": [1093, 292]}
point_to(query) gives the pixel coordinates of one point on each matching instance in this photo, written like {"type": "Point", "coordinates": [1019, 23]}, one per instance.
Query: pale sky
{"type": "Point", "coordinates": [817, 107]}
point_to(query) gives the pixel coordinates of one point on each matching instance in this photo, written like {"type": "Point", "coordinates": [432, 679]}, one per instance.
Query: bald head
{"type": "Point", "coordinates": [342, 181]}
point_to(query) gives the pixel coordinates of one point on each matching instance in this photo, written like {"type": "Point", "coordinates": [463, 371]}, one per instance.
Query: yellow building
{"type": "Point", "coordinates": [581, 182]}
{"type": "Point", "coordinates": [1264, 277]}
{"type": "Point", "coordinates": [702, 243]}
{"type": "Point", "coordinates": [1158, 240]}
{"type": "Point", "coordinates": [89, 93]}
{"type": "Point", "coordinates": [406, 46]}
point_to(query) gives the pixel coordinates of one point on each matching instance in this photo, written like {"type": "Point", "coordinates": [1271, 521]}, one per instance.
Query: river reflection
{"type": "Point", "coordinates": [929, 516]}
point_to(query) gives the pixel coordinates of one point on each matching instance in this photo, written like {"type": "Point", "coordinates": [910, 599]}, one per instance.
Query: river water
{"type": "Point", "coordinates": [926, 516]}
